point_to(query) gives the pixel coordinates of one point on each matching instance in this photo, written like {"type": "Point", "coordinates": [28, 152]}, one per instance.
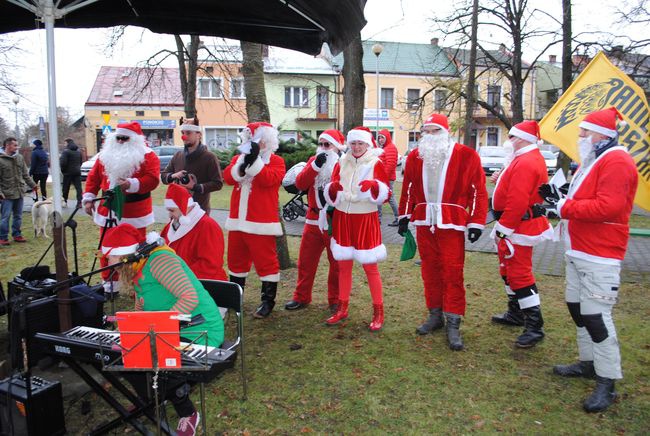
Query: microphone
{"type": "Point", "coordinates": [144, 250]}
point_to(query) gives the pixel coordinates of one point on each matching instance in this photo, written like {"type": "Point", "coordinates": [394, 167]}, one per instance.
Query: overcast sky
{"type": "Point", "coordinates": [80, 53]}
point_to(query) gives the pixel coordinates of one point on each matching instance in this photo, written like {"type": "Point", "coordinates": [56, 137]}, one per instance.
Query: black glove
{"type": "Point", "coordinates": [402, 226]}
{"type": "Point", "coordinates": [250, 158]}
{"type": "Point", "coordinates": [550, 193]}
{"type": "Point", "coordinates": [564, 189]}
{"type": "Point", "coordinates": [320, 160]}
{"type": "Point", "coordinates": [321, 197]}
{"type": "Point", "coordinates": [544, 210]}
{"type": "Point", "coordinates": [474, 234]}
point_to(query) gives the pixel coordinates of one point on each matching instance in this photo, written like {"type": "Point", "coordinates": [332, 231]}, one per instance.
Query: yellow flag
{"type": "Point", "coordinates": [600, 86]}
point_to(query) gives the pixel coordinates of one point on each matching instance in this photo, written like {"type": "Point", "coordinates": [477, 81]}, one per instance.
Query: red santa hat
{"type": "Point", "coordinates": [363, 134]}
{"type": "Point", "coordinates": [334, 137]}
{"type": "Point", "coordinates": [255, 131]}
{"type": "Point", "coordinates": [178, 197]}
{"type": "Point", "coordinates": [603, 121]}
{"type": "Point", "coordinates": [121, 240]}
{"type": "Point", "coordinates": [129, 129]}
{"type": "Point", "coordinates": [526, 130]}
{"type": "Point", "coordinates": [437, 120]}
{"type": "Point", "coordinates": [190, 125]}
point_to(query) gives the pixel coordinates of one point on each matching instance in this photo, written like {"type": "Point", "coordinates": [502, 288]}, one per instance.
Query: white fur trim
{"type": "Point", "coordinates": [384, 190]}
{"type": "Point", "coordinates": [242, 274]}
{"type": "Point", "coordinates": [532, 240]}
{"type": "Point", "coordinates": [125, 132]}
{"type": "Point", "coordinates": [255, 169]}
{"type": "Point", "coordinates": [170, 204]}
{"type": "Point", "coordinates": [530, 301]}
{"type": "Point", "coordinates": [271, 278]}
{"type": "Point", "coordinates": [360, 135]}
{"type": "Point", "coordinates": [315, 167]}
{"type": "Point", "coordinates": [514, 131]}
{"type": "Point", "coordinates": [598, 129]}
{"type": "Point", "coordinates": [498, 227]}
{"type": "Point", "coordinates": [134, 185]}
{"type": "Point", "coordinates": [187, 224]}
{"type": "Point", "coordinates": [88, 197]}
{"type": "Point", "coordinates": [274, 229]}
{"type": "Point", "coordinates": [311, 222]}
{"type": "Point", "coordinates": [190, 128]}
{"type": "Point", "coordinates": [138, 222]}
{"type": "Point", "coordinates": [370, 256]}
{"type": "Point", "coordinates": [152, 237]}
{"type": "Point", "coordinates": [559, 206]}
{"type": "Point", "coordinates": [120, 251]}
{"type": "Point", "coordinates": [331, 140]}
{"type": "Point", "coordinates": [335, 202]}
{"type": "Point", "coordinates": [234, 171]}
{"type": "Point", "coordinates": [475, 226]}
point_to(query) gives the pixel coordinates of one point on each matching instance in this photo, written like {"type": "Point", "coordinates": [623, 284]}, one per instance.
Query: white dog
{"type": "Point", "coordinates": [41, 211]}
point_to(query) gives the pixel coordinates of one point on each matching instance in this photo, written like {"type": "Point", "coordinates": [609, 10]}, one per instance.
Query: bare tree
{"type": "Point", "coordinates": [9, 51]}
{"type": "Point", "coordinates": [354, 87]}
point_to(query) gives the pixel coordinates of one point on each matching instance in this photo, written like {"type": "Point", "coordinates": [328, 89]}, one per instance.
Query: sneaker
{"type": "Point", "coordinates": [4, 242]}
{"type": "Point", "coordinates": [187, 426]}
{"type": "Point", "coordinates": [19, 239]}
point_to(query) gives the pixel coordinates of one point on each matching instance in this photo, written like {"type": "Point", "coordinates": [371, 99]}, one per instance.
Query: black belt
{"type": "Point", "coordinates": [525, 217]}
{"type": "Point", "coordinates": [132, 198]}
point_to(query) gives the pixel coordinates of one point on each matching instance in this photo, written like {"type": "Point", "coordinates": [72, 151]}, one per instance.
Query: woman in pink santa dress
{"type": "Point", "coordinates": [359, 183]}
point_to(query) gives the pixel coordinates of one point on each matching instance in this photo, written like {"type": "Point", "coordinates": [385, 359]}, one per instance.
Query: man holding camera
{"type": "Point", "coordinates": [195, 168]}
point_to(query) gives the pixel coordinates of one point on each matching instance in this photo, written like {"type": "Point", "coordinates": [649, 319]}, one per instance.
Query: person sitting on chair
{"type": "Point", "coordinates": [162, 281]}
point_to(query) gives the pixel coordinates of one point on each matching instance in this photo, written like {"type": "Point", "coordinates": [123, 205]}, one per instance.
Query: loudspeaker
{"type": "Point", "coordinates": [42, 414]}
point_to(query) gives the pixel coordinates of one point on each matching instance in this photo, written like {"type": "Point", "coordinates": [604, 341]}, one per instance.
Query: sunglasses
{"type": "Point", "coordinates": [122, 138]}
{"type": "Point", "coordinates": [324, 144]}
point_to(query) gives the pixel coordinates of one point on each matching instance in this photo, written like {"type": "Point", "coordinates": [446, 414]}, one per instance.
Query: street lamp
{"type": "Point", "coordinates": [16, 100]}
{"type": "Point", "coordinates": [377, 49]}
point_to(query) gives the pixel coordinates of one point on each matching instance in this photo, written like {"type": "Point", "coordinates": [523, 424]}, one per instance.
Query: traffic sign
{"type": "Point", "coordinates": [106, 130]}
{"type": "Point", "coordinates": [106, 118]}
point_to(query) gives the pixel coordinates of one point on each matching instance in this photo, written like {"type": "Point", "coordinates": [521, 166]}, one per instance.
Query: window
{"type": "Point", "coordinates": [322, 101]}
{"type": "Point", "coordinates": [221, 138]}
{"type": "Point", "coordinates": [237, 88]}
{"type": "Point", "coordinates": [296, 96]}
{"type": "Point", "coordinates": [210, 88]}
{"type": "Point", "coordinates": [414, 137]}
{"type": "Point", "coordinates": [139, 113]}
{"type": "Point", "coordinates": [106, 112]}
{"type": "Point", "coordinates": [494, 95]}
{"type": "Point", "coordinates": [439, 99]}
{"type": "Point", "coordinates": [164, 113]}
{"type": "Point", "coordinates": [412, 98]}
{"type": "Point", "coordinates": [118, 93]}
{"type": "Point", "coordinates": [290, 136]}
{"type": "Point", "coordinates": [492, 136]}
{"type": "Point", "coordinates": [387, 98]}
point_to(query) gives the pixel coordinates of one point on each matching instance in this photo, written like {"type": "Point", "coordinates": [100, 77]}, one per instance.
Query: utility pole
{"type": "Point", "coordinates": [564, 161]}
{"type": "Point", "coordinates": [470, 97]}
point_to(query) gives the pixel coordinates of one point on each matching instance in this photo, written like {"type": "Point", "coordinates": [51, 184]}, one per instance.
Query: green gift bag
{"type": "Point", "coordinates": [409, 248]}
{"type": "Point", "coordinates": [116, 202]}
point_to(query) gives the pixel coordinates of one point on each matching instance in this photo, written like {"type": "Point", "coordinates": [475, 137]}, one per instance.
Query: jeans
{"type": "Point", "coordinates": [72, 180]}
{"type": "Point", "coordinates": [391, 201]}
{"type": "Point", "coordinates": [8, 207]}
{"type": "Point", "coordinates": [42, 180]}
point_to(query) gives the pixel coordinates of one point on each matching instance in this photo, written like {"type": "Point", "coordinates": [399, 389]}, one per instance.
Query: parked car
{"type": "Point", "coordinates": [165, 153]}
{"type": "Point", "coordinates": [492, 158]}
{"type": "Point", "coordinates": [87, 166]}
{"type": "Point", "coordinates": [550, 159]}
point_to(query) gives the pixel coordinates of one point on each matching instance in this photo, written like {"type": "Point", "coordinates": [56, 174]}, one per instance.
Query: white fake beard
{"type": "Point", "coordinates": [509, 149]}
{"type": "Point", "coordinates": [586, 151]}
{"type": "Point", "coordinates": [122, 160]}
{"type": "Point", "coordinates": [325, 174]}
{"type": "Point", "coordinates": [434, 149]}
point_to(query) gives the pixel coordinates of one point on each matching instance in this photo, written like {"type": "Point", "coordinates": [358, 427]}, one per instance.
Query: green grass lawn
{"type": "Point", "coordinates": [306, 377]}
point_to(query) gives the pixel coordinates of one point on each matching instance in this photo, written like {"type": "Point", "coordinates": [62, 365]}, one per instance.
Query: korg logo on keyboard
{"type": "Point", "coordinates": [99, 356]}
{"type": "Point", "coordinates": [61, 349]}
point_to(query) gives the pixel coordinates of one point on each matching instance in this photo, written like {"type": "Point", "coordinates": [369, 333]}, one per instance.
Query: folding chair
{"type": "Point", "coordinates": [230, 295]}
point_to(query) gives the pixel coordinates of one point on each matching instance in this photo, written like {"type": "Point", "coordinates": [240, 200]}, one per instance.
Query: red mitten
{"type": "Point", "coordinates": [335, 188]}
{"type": "Point", "coordinates": [371, 185]}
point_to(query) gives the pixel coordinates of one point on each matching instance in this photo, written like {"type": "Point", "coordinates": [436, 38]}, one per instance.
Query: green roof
{"type": "Point", "coordinates": [405, 58]}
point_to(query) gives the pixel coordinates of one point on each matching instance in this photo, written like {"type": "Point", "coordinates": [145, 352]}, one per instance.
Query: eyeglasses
{"type": "Point", "coordinates": [122, 138]}
{"type": "Point", "coordinates": [324, 144]}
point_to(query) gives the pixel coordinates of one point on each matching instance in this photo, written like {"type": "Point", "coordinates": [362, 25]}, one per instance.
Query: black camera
{"type": "Point", "coordinates": [184, 179]}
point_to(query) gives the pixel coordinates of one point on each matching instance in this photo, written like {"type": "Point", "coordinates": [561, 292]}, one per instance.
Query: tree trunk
{"type": "Point", "coordinates": [354, 87]}
{"type": "Point", "coordinates": [564, 161]}
{"type": "Point", "coordinates": [257, 110]}
{"type": "Point", "coordinates": [187, 66]}
{"type": "Point", "coordinates": [471, 80]}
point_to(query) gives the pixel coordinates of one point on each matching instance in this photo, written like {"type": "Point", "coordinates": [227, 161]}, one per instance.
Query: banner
{"type": "Point", "coordinates": [600, 86]}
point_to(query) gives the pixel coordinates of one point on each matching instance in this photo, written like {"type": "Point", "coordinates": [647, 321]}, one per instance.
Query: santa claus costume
{"type": "Point", "coordinates": [444, 196]}
{"type": "Point", "coordinates": [315, 234]}
{"type": "Point", "coordinates": [194, 235]}
{"type": "Point", "coordinates": [253, 222]}
{"type": "Point", "coordinates": [125, 162]}
{"type": "Point", "coordinates": [517, 231]}
{"type": "Point", "coordinates": [359, 183]}
{"type": "Point", "coordinates": [595, 227]}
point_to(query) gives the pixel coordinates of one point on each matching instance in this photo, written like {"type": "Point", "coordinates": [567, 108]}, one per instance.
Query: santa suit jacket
{"type": "Point", "coordinates": [199, 242]}
{"type": "Point", "coordinates": [464, 200]}
{"type": "Point", "coordinates": [514, 195]}
{"type": "Point", "coordinates": [137, 209]}
{"type": "Point", "coordinates": [598, 208]}
{"type": "Point", "coordinates": [306, 181]}
{"type": "Point", "coordinates": [389, 156]}
{"type": "Point", "coordinates": [254, 203]}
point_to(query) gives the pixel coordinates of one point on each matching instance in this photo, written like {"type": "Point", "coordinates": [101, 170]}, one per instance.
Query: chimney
{"type": "Point", "coordinates": [552, 58]}
{"type": "Point", "coordinates": [265, 51]}
{"type": "Point", "coordinates": [434, 41]}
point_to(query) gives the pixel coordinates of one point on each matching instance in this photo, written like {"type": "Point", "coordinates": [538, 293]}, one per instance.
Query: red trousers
{"type": "Point", "coordinates": [518, 269]}
{"type": "Point", "coordinates": [246, 249]}
{"type": "Point", "coordinates": [313, 242]}
{"type": "Point", "coordinates": [103, 261]}
{"type": "Point", "coordinates": [443, 260]}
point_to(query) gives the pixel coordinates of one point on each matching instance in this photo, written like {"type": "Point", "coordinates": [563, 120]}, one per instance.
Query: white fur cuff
{"type": "Point", "coordinates": [498, 227]}
{"type": "Point", "coordinates": [88, 197]}
{"type": "Point", "coordinates": [134, 185]}
{"type": "Point", "coordinates": [330, 201]}
{"type": "Point", "coordinates": [559, 206]}
{"type": "Point", "coordinates": [315, 167]}
{"type": "Point", "coordinates": [255, 169]}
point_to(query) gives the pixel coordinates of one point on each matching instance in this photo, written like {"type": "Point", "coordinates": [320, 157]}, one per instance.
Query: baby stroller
{"type": "Point", "coordinates": [295, 207]}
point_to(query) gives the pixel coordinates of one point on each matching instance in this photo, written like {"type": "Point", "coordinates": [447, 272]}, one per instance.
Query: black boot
{"type": "Point", "coordinates": [533, 323]}
{"type": "Point", "coordinates": [453, 332]}
{"type": "Point", "coordinates": [513, 316]}
{"type": "Point", "coordinates": [241, 281]}
{"type": "Point", "coordinates": [602, 397]}
{"type": "Point", "coordinates": [583, 368]}
{"type": "Point", "coordinates": [435, 321]}
{"type": "Point", "coordinates": [269, 289]}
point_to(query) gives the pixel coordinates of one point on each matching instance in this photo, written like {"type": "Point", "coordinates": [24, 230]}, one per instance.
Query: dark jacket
{"type": "Point", "coordinates": [70, 160]}
{"type": "Point", "coordinates": [204, 165]}
{"type": "Point", "coordinates": [39, 161]}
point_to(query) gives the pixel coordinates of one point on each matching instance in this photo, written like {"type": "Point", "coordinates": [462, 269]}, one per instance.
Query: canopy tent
{"type": "Point", "coordinates": [301, 25]}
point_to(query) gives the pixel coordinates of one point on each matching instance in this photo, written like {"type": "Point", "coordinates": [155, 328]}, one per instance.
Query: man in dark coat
{"type": "Point", "coordinates": [71, 169]}
{"type": "Point", "coordinates": [38, 169]}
